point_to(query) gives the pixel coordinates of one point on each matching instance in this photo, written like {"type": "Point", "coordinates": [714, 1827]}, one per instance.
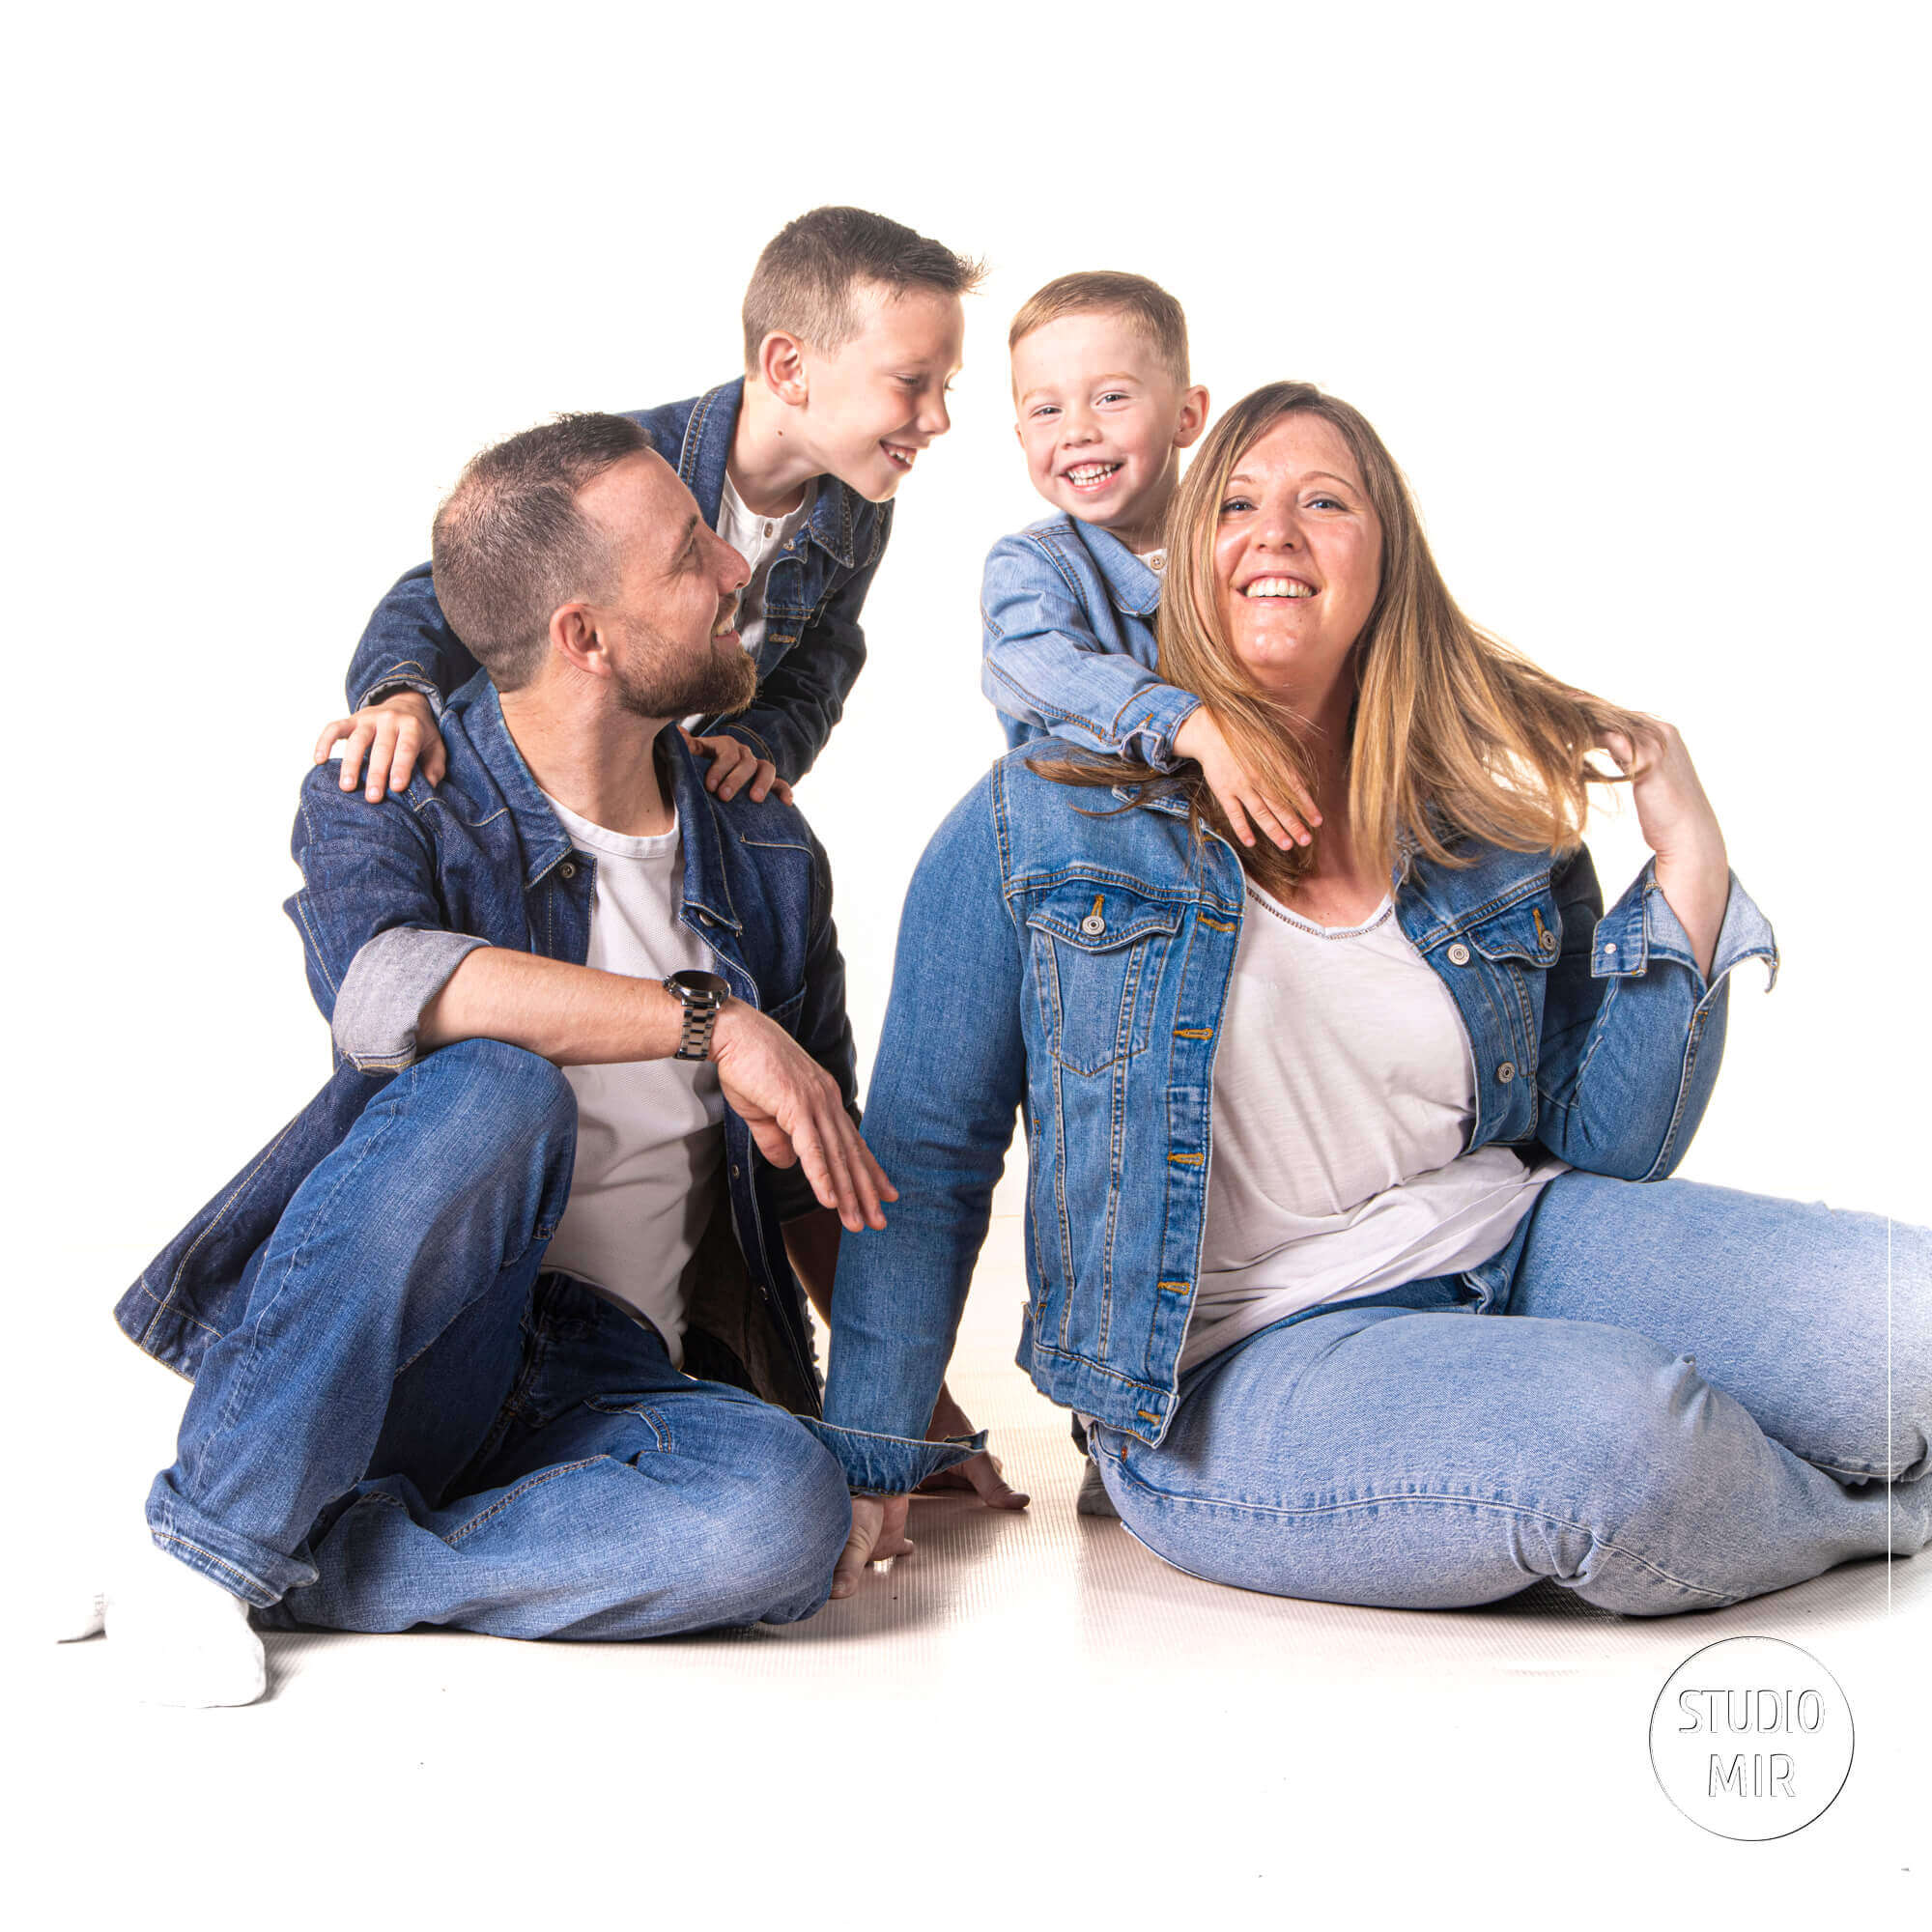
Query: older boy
{"type": "Point", "coordinates": [1104, 408]}
{"type": "Point", "coordinates": [853, 330]}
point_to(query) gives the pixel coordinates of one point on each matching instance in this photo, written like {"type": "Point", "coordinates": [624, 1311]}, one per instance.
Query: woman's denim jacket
{"type": "Point", "coordinates": [1076, 967]}
{"type": "Point", "coordinates": [813, 649]}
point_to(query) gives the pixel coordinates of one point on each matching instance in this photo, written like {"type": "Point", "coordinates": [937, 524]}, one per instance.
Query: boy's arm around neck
{"type": "Point", "coordinates": [1044, 663]}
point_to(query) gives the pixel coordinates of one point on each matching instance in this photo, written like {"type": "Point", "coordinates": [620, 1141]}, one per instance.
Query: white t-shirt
{"type": "Point", "coordinates": [649, 1132]}
{"type": "Point", "coordinates": [1344, 1093]}
{"type": "Point", "coordinates": [757, 540]}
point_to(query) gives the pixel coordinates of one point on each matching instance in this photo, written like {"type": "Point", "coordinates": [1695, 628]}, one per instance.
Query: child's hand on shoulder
{"type": "Point", "coordinates": [734, 764]}
{"type": "Point", "coordinates": [1234, 788]}
{"type": "Point", "coordinates": [396, 736]}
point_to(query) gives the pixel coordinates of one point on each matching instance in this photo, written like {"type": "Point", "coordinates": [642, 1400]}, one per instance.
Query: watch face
{"type": "Point", "coordinates": [703, 985]}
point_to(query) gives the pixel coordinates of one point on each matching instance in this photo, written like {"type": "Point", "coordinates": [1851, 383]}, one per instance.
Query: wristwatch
{"type": "Point", "coordinates": [702, 996]}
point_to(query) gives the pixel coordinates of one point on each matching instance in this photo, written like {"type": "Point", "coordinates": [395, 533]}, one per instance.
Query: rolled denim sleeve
{"type": "Point", "coordinates": [377, 943]}
{"type": "Point", "coordinates": [1042, 663]}
{"type": "Point", "coordinates": [408, 644]}
{"type": "Point", "coordinates": [380, 1004]}
{"type": "Point", "coordinates": [1633, 1032]}
{"type": "Point", "coordinates": [939, 1116]}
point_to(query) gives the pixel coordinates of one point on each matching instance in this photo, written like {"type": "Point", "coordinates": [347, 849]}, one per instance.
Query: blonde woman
{"type": "Point", "coordinates": [1349, 1231]}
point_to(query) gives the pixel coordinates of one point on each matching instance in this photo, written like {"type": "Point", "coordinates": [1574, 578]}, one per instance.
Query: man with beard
{"type": "Point", "coordinates": [500, 1333]}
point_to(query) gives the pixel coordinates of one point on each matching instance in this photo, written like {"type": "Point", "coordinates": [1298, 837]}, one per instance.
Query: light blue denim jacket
{"type": "Point", "coordinates": [1067, 616]}
{"type": "Point", "coordinates": [1075, 966]}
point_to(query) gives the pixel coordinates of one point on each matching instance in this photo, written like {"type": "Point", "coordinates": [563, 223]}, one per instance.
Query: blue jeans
{"type": "Point", "coordinates": [1663, 1396]}
{"type": "Point", "coordinates": [413, 1424]}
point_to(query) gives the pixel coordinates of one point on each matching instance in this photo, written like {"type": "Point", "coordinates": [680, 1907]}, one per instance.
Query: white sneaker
{"type": "Point", "coordinates": [1093, 1500]}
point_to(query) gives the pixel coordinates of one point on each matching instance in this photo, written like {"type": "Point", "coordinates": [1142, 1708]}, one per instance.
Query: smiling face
{"type": "Point", "coordinates": [1102, 421]}
{"type": "Point", "coordinates": [871, 405]}
{"type": "Point", "coordinates": [1298, 559]}
{"type": "Point", "coordinates": [669, 615]}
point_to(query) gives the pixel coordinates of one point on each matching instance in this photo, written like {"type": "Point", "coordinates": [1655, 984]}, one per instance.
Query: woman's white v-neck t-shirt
{"type": "Point", "coordinates": [1344, 1096]}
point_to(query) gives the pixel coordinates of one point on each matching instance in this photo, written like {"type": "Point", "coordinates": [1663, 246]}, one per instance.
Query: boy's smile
{"type": "Point", "coordinates": [1102, 421]}
{"type": "Point", "coordinates": [872, 405]}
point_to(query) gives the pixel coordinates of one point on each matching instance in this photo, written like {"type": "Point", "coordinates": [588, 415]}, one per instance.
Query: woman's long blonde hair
{"type": "Point", "coordinates": [1452, 734]}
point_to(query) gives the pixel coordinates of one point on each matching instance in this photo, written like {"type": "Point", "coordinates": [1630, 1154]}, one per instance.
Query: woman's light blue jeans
{"type": "Point", "coordinates": [1663, 1396]}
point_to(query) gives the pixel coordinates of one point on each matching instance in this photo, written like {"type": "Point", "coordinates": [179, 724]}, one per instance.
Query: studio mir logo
{"type": "Point", "coordinates": [1751, 1738]}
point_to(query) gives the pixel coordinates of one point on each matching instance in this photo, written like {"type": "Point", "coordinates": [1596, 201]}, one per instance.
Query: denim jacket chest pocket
{"type": "Point", "coordinates": [1495, 969]}
{"type": "Point", "coordinates": [1096, 949]}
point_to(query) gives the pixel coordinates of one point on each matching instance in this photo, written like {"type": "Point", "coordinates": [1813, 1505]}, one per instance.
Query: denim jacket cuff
{"type": "Point", "coordinates": [1146, 726]}
{"type": "Point", "coordinates": [1642, 927]}
{"type": "Point", "coordinates": [890, 1466]}
{"type": "Point", "coordinates": [406, 677]}
{"type": "Point", "coordinates": [392, 979]}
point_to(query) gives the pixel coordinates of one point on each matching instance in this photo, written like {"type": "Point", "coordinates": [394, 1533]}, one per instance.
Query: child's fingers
{"type": "Point", "coordinates": [1283, 827]}
{"type": "Point", "coordinates": [1238, 818]}
{"type": "Point", "coordinates": [353, 750]}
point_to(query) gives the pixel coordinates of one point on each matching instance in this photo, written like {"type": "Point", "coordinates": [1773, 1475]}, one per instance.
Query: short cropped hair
{"type": "Point", "coordinates": [806, 276]}
{"type": "Point", "coordinates": [1146, 305]}
{"type": "Point", "coordinates": [509, 544]}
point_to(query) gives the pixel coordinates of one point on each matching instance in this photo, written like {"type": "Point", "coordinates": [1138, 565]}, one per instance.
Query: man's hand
{"type": "Point", "coordinates": [396, 736]}
{"type": "Point", "coordinates": [733, 764]}
{"type": "Point", "coordinates": [794, 1110]}
{"type": "Point", "coordinates": [878, 1534]}
{"type": "Point", "coordinates": [1238, 795]}
{"type": "Point", "coordinates": [980, 1474]}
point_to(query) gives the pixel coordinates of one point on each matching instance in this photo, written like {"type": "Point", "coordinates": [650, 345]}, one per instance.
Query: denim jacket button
{"type": "Point", "coordinates": [566, 870]}
{"type": "Point", "coordinates": [1506, 1072]}
{"type": "Point", "coordinates": [1459, 954]}
{"type": "Point", "coordinates": [1092, 926]}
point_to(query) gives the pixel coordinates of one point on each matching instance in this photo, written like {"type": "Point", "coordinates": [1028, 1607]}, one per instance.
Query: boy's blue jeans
{"type": "Point", "coordinates": [1668, 1397]}
{"type": "Point", "coordinates": [413, 1424]}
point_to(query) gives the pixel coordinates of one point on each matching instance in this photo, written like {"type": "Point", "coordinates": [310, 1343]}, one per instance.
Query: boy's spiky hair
{"type": "Point", "coordinates": [1145, 304]}
{"type": "Point", "coordinates": [805, 277]}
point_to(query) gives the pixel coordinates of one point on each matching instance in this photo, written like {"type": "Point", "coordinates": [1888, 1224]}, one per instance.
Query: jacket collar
{"type": "Point", "coordinates": [707, 447]}
{"type": "Point", "coordinates": [1132, 585]}
{"type": "Point", "coordinates": [545, 841]}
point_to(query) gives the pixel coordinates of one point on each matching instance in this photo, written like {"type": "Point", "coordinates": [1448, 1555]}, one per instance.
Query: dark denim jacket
{"type": "Point", "coordinates": [1076, 967]}
{"type": "Point", "coordinates": [483, 854]}
{"type": "Point", "coordinates": [812, 650]}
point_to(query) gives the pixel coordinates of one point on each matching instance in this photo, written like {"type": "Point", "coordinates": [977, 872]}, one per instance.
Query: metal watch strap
{"type": "Point", "coordinates": [698, 1021]}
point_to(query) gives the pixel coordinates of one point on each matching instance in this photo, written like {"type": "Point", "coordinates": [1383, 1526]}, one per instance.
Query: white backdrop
{"type": "Point", "coordinates": [1633, 295]}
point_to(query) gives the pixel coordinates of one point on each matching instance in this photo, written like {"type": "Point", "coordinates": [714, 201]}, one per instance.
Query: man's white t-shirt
{"type": "Point", "coordinates": [757, 540]}
{"type": "Point", "coordinates": [649, 1132]}
{"type": "Point", "coordinates": [1343, 1092]}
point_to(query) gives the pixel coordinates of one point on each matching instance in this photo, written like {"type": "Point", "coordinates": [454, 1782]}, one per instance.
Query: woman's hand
{"type": "Point", "coordinates": [1238, 795]}
{"type": "Point", "coordinates": [981, 1475]}
{"type": "Point", "coordinates": [878, 1534]}
{"type": "Point", "coordinates": [396, 735]}
{"type": "Point", "coordinates": [1694, 870]}
{"type": "Point", "coordinates": [734, 764]}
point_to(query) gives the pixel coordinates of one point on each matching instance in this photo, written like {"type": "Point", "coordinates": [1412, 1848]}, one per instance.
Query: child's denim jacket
{"type": "Point", "coordinates": [1068, 616]}
{"type": "Point", "coordinates": [813, 648]}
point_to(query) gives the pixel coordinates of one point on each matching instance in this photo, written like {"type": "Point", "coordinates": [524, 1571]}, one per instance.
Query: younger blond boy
{"type": "Point", "coordinates": [1105, 407]}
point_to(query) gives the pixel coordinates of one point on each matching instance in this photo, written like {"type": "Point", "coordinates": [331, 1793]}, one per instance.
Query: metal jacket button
{"type": "Point", "coordinates": [1093, 925]}
{"type": "Point", "coordinates": [566, 870]}
{"type": "Point", "coordinates": [1459, 954]}
{"type": "Point", "coordinates": [1506, 1072]}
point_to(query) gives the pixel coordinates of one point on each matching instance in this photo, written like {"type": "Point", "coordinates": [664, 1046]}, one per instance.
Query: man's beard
{"type": "Point", "coordinates": [717, 683]}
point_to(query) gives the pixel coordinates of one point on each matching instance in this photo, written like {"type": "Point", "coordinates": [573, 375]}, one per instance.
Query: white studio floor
{"type": "Point", "coordinates": [1029, 1719]}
